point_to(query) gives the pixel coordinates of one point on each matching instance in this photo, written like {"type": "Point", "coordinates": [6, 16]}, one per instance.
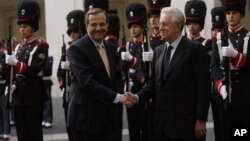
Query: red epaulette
{"type": "Point", "coordinates": [42, 43]}
{"type": "Point", "coordinates": [111, 38]}
{"type": "Point", "coordinates": [208, 41]}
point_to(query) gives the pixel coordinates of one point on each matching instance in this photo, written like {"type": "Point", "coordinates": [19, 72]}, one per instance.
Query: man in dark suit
{"type": "Point", "coordinates": [95, 112]}
{"type": "Point", "coordinates": [182, 88]}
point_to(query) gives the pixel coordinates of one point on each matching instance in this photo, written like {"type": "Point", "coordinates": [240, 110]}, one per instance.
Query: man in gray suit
{"type": "Point", "coordinates": [181, 82]}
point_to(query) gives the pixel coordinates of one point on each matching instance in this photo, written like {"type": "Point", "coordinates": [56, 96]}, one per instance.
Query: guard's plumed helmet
{"type": "Point", "coordinates": [218, 17]}
{"type": "Point", "coordinates": [103, 4]}
{"type": "Point", "coordinates": [136, 14]}
{"type": "Point", "coordinates": [195, 11]}
{"type": "Point", "coordinates": [238, 5]}
{"type": "Point", "coordinates": [155, 6]}
{"type": "Point", "coordinates": [28, 12]}
{"type": "Point", "coordinates": [75, 21]}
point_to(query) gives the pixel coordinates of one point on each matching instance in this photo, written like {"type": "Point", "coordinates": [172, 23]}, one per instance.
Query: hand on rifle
{"type": "Point", "coordinates": [11, 59]}
{"type": "Point", "coordinates": [126, 56]}
{"type": "Point", "coordinates": [65, 65]}
{"type": "Point", "coordinates": [229, 51]}
{"type": "Point", "coordinates": [147, 56]}
{"type": "Point", "coordinates": [223, 92]}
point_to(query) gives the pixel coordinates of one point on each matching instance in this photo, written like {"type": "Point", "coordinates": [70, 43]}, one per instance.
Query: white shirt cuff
{"type": "Point", "coordinates": [117, 98]}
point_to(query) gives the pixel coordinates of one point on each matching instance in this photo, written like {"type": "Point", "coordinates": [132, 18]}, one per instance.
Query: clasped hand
{"type": "Point", "coordinates": [128, 99]}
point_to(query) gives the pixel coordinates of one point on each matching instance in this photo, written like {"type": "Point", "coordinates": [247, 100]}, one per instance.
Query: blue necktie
{"type": "Point", "coordinates": [166, 61]}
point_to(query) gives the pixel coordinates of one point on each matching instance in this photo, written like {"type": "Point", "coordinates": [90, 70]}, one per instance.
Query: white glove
{"type": "Point", "coordinates": [229, 51]}
{"type": "Point", "coordinates": [131, 84]}
{"type": "Point", "coordinates": [223, 92]}
{"type": "Point", "coordinates": [147, 56]}
{"type": "Point", "coordinates": [65, 65]}
{"type": "Point", "coordinates": [126, 56]}
{"type": "Point", "coordinates": [11, 59]}
{"type": "Point", "coordinates": [12, 89]}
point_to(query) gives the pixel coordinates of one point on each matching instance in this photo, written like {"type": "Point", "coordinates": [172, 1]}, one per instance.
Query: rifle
{"type": "Point", "coordinates": [124, 41]}
{"type": "Point", "coordinates": [146, 47]}
{"type": "Point", "coordinates": [125, 45]}
{"type": "Point", "coordinates": [226, 66]}
{"type": "Point", "coordinates": [80, 30]}
{"type": "Point", "coordinates": [65, 74]}
{"type": "Point", "coordinates": [9, 71]}
{"type": "Point", "coordinates": [227, 78]}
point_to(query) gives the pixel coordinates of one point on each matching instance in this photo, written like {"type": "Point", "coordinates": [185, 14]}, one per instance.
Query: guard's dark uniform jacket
{"type": "Point", "coordinates": [155, 41]}
{"type": "Point", "coordinates": [239, 108]}
{"type": "Point", "coordinates": [207, 43]}
{"type": "Point", "coordinates": [47, 72]}
{"type": "Point", "coordinates": [31, 58]}
{"type": "Point", "coordinates": [3, 75]}
{"type": "Point", "coordinates": [136, 66]}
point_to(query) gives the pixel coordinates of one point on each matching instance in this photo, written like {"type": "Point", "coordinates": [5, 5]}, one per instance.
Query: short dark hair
{"type": "Point", "coordinates": [94, 11]}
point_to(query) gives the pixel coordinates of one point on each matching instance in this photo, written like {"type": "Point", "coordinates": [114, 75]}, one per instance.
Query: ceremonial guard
{"type": "Point", "coordinates": [4, 111]}
{"type": "Point", "coordinates": [134, 68]}
{"type": "Point", "coordinates": [76, 28]}
{"type": "Point", "coordinates": [154, 9]}
{"type": "Point", "coordinates": [103, 4]}
{"type": "Point", "coordinates": [113, 29]}
{"type": "Point", "coordinates": [218, 109]}
{"type": "Point", "coordinates": [28, 61]}
{"type": "Point", "coordinates": [195, 12]}
{"type": "Point", "coordinates": [230, 66]}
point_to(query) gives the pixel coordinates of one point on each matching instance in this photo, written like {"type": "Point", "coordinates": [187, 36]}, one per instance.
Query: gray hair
{"type": "Point", "coordinates": [94, 11]}
{"type": "Point", "coordinates": [177, 15]}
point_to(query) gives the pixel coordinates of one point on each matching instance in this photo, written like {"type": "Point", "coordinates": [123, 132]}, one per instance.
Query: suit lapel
{"type": "Point", "coordinates": [159, 64]}
{"type": "Point", "coordinates": [179, 52]}
{"type": "Point", "coordinates": [93, 50]}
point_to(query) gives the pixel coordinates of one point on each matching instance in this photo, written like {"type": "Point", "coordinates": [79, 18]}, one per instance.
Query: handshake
{"type": "Point", "coordinates": [129, 99]}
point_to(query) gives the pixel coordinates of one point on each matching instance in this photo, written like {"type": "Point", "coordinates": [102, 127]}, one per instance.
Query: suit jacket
{"type": "Point", "coordinates": [183, 96]}
{"type": "Point", "coordinates": [92, 91]}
